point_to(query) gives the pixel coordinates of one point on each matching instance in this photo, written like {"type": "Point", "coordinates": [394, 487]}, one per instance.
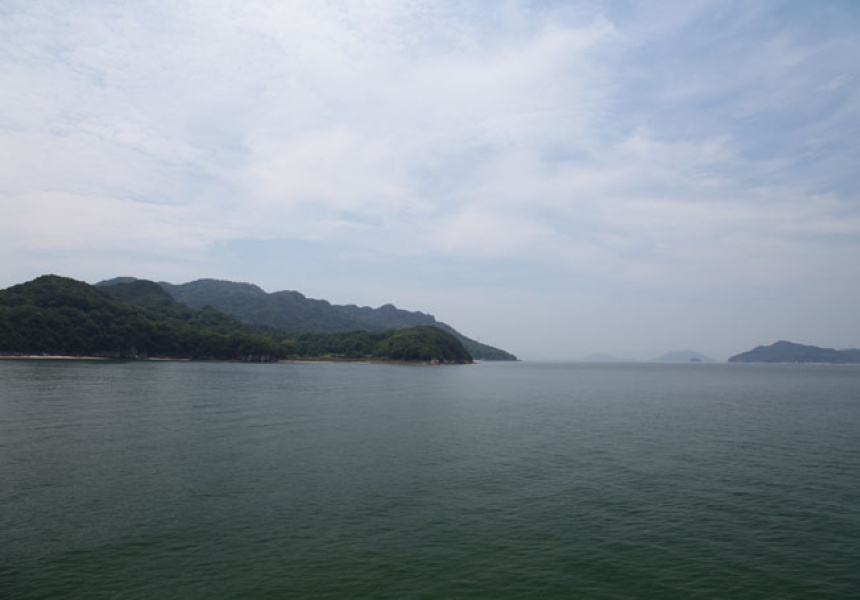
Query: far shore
{"type": "Point", "coordinates": [49, 357]}
{"type": "Point", "coordinates": [361, 361]}
{"type": "Point", "coordinates": [64, 357]}
{"type": "Point", "coordinates": [292, 361]}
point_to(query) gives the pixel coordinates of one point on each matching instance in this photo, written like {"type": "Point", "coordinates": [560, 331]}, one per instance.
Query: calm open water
{"type": "Point", "coordinates": [527, 480]}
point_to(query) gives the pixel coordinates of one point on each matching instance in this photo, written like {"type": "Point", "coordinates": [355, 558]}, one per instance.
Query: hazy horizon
{"type": "Point", "coordinates": [557, 179]}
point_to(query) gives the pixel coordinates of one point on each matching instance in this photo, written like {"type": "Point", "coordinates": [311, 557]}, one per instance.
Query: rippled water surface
{"type": "Point", "coordinates": [527, 480]}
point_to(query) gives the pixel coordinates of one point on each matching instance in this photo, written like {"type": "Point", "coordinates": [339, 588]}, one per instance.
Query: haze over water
{"type": "Point", "coordinates": [194, 480]}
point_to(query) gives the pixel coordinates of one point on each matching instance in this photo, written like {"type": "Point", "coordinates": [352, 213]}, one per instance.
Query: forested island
{"type": "Point", "coordinates": [139, 319]}
{"type": "Point", "coordinates": [295, 314]}
{"type": "Point", "coordinates": [790, 352]}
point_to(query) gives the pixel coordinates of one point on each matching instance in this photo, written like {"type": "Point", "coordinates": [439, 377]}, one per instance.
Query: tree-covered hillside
{"type": "Point", "coordinates": [61, 316]}
{"type": "Point", "coordinates": [295, 314]}
{"type": "Point", "coordinates": [423, 343]}
{"type": "Point", "coordinates": [54, 315]}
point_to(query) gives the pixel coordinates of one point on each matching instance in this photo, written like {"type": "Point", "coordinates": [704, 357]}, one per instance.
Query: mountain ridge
{"type": "Point", "coordinates": [293, 312]}
{"type": "Point", "coordinates": [138, 319]}
{"type": "Point", "coordinates": [784, 351]}
{"type": "Point", "coordinates": [60, 316]}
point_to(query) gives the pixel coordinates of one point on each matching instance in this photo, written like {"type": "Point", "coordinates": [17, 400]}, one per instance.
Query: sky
{"type": "Point", "coordinates": [553, 178]}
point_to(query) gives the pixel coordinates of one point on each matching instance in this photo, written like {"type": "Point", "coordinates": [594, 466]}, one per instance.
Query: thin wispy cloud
{"type": "Point", "coordinates": [568, 155]}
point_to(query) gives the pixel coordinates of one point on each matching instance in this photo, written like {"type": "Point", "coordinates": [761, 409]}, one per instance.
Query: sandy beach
{"type": "Point", "coordinates": [61, 357]}
{"type": "Point", "coordinates": [49, 357]}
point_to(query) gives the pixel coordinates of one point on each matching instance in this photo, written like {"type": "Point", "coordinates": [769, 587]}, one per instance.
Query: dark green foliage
{"type": "Point", "coordinates": [141, 292]}
{"type": "Point", "coordinates": [424, 344]}
{"type": "Point", "coordinates": [295, 314]}
{"type": "Point", "coordinates": [60, 316]}
{"type": "Point", "coordinates": [348, 345]}
{"type": "Point", "coordinates": [789, 352]}
{"type": "Point", "coordinates": [420, 344]}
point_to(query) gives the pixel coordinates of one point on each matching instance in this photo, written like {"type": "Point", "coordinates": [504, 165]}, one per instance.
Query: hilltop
{"type": "Point", "coordinates": [790, 352]}
{"type": "Point", "coordinates": [293, 313]}
{"type": "Point", "coordinates": [61, 316]}
{"type": "Point", "coordinates": [54, 315]}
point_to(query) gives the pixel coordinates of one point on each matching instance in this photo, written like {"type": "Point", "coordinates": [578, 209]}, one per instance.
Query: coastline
{"type": "Point", "coordinates": [65, 357]}
{"type": "Point", "coordinates": [49, 357]}
{"type": "Point", "coordinates": [291, 361]}
{"type": "Point", "coordinates": [365, 361]}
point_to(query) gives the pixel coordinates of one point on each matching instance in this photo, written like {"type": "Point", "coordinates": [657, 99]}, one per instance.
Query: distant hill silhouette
{"type": "Point", "coordinates": [293, 313]}
{"type": "Point", "coordinates": [789, 352]}
{"type": "Point", "coordinates": [683, 356]}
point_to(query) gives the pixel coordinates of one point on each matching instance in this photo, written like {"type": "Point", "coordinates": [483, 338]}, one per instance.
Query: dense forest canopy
{"type": "Point", "coordinates": [295, 314]}
{"type": "Point", "coordinates": [138, 319]}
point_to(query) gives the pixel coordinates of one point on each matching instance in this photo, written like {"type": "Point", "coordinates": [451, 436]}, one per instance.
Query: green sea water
{"type": "Point", "coordinates": [509, 480]}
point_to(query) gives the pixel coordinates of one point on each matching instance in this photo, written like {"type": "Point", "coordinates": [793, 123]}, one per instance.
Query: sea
{"type": "Point", "coordinates": [494, 480]}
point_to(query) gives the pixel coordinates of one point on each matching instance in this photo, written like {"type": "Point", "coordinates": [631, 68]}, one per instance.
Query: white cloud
{"type": "Point", "coordinates": [668, 147]}
{"type": "Point", "coordinates": [59, 222]}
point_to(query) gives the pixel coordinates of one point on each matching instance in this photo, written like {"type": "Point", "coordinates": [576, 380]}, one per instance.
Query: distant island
{"type": "Point", "coordinates": [683, 356]}
{"type": "Point", "coordinates": [139, 319]}
{"type": "Point", "coordinates": [789, 352]}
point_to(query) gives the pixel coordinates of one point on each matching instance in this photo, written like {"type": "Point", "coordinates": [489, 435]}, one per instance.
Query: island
{"type": "Point", "coordinates": [683, 356]}
{"type": "Point", "coordinates": [292, 312]}
{"type": "Point", "coordinates": [138, 319]}
{"type": "Point", "coordinates": [789, 352]}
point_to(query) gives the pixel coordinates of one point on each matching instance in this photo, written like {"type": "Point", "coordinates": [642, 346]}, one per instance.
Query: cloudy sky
{"type": "Point", "coordinates": [555, 178]}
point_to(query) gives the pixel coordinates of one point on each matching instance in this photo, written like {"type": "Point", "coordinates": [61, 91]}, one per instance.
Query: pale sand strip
{"type": "Point", "coordinates": [309, 361]}
{"type": "Point", "coordinates": [51, 357]}
{"type": "Point", "coordinates": [60, 357]}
